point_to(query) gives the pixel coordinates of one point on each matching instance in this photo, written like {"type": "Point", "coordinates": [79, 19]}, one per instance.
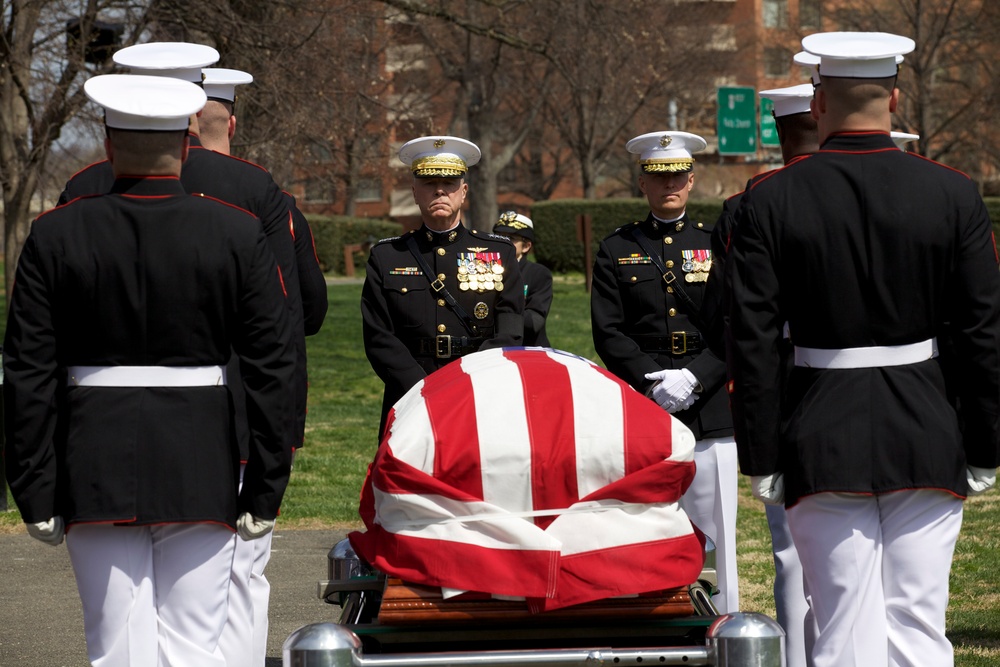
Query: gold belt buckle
{"type": "Point", "coordinates": [438, 352]}
{"type": "Point", "coordinates": [678, 342]}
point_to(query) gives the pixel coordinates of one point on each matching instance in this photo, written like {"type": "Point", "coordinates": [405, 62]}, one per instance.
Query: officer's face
{"type": "Point", "coordinates": [667, 192]}
{"type": "Point", "coordinates": [440, 200]}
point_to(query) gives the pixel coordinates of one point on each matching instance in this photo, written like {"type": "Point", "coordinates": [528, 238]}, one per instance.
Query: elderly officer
{"type": "Point", "coordinates": [870, 254]}
{"type": "Point", "coordinates": [537, 279]}
{"type": "Point", "coordinates": [119, 422]}
{"type": "Point", "coordinates": [442, 291]}
{"type": "Point", "coordinates": [797, 134]}
{"type": "Point", "coordinates": [648, 284]}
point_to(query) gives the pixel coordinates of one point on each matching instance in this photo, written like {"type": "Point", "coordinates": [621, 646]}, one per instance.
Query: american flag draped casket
{"type": "Point", "coordinates": [531, 473]}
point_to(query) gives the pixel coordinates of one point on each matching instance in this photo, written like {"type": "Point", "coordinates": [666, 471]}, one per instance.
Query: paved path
{"type": "Point", "coordinates": [41, 624]}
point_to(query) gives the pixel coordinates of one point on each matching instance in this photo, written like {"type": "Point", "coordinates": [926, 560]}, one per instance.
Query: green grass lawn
{"type": "Point", "coordinates": [344, 402]}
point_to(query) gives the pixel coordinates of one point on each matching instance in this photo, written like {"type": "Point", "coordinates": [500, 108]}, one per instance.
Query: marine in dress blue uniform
{"type": "Point", "coordinates": [871, 255]}
{"type": "Point", "coordinates": [520, 229]}
{"type": "Point", "coordinates": [646, 330]}
{"type": "Point", "coordinates": [119, 420]}
{"type": "Point", "coordinates": [797, 134]}
{"type": "Point", "coordinates": [411, 328]}
{"type": "Point", "coordinates": [244, 640]}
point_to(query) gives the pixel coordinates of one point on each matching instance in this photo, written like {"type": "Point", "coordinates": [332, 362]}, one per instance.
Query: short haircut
{"type": "Point", "coordinates": [845, 95]}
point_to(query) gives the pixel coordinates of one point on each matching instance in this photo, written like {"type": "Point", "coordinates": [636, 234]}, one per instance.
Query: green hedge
{"type": "Point", "coordinates": [557, 241]}
{"type": "Point", "coordinates": [333, 232]}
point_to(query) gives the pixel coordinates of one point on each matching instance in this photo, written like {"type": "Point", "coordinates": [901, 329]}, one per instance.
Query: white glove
{"type": "Point", "coordinates": [980, 480]}
{"type": "Point", "coordinates": [250, 527]}
{"type": "Point", "coordinates": [768, 489]}
{"type": "Point", "coordinates": [50, 532]}
{"type": "Point", "coordinates": [674, 388]}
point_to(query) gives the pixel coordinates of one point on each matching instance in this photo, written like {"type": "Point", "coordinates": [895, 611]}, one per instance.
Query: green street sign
{"type": "Point", "coordinates": [737, 120]}
{"type": "Point", "coordinates": [768, 131]}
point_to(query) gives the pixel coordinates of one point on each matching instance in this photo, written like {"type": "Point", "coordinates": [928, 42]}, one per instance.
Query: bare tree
{"type": "Point", "coordinates": [41, 81]}
{"type": "Point", "coordinates": [948, 84]}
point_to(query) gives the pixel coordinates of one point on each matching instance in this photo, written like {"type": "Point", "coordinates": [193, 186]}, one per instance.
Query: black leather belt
{"type": "Point", "coordinates": [445, 347]}
{"type": "Point", "coordinates": [679, 343]}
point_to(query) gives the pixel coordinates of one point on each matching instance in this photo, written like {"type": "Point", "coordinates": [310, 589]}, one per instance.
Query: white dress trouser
{"type": "Point", "coordinates": [710, 503]}
{"type": "Point", "coordinates": [876, 568]}
{"type": "Point", "coordinates": [152, 595]}
{"type": "Point", "coordinates": [244, 639]}
{"type": "Point", "coordinates": [790, 600]}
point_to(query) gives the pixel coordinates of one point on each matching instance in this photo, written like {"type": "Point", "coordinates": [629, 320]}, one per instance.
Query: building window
{"type": "Point", "coordinates": [775, 13]}
{"type": "Point", "coordinates": [810, 15]}
{"type": "Point", "coordinates": [777, 62]}
{"type": "Point", "coordinates": [319, 190]}
{"type": "Point", "coordinates": [368, 189]}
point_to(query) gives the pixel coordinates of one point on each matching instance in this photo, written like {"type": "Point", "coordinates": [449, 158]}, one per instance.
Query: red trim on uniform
{"type": "Point", "coordinates": [231, 157]}
{"type": "Point", "coordinates": [924, 157]}
{"type": "Point", "coordinates": [238, 208]}
{"type": "Point", "coordinates": [881, 493]}
{"type": "Point", "coordinates": [291, 225]}
{"type": "Point", "coordinates": [89, 166]}
{"type": "Point", "coordinates": [281, 279]}
{"type": "Point", "coordinates": [993, 236]}
{"type": "Point", "coordinates": [71, 201]}
{"type": "Point", "coordinates": [312, 240]}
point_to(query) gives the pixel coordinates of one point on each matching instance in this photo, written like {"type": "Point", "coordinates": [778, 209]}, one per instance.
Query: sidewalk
{"type": "Point", "coordinates": [41, 624]}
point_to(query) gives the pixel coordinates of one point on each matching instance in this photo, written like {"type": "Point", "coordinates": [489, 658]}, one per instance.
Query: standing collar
{"type": "Point", "coordinates": [657, 227]}
{"type": "Point", "coordinates": [860, 141]}
{"type": "Point", "coordinates": [148, 186]}
{"type": "Point", "coordinates": [435, 238]}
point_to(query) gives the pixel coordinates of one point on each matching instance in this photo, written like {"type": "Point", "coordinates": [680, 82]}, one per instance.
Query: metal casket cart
{"type": "Point", "coordinates": [385, 622]}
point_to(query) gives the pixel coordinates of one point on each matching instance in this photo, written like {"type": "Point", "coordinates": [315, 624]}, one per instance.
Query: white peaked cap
{"type": "Point", "coordinates": [790, 100]}
{"type": "Point", "coordinates": [220, 83]}
{"type": "Point", "coordinates": [903, 138]}
{"type": "Point", "coordinates": [439, 156]}
{"type": "Point", "coordinates": [806, 59]}
{"type": "Point", "coordinates": [137, 102]}
{"type": "Point", "coordinates": [666, 151]}
{"type": "Point", "coordinates": [859, 55]}
{"type": "Point", "coordinates": [179, 60]}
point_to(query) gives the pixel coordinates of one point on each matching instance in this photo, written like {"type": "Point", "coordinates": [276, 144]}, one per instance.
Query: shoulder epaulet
{"type": "Point", "coordinates": [498, 237]}
{"type": "Point", "coordinates": [627, 225]}
{"type": "Point", "coordinates": [233, 157]}
{"type": "Point", "coordinates": [703, 226]}
{"type": "Point", "coordinates": [202, 195]}
{"type": "Point", "coordinates": [387, 239]}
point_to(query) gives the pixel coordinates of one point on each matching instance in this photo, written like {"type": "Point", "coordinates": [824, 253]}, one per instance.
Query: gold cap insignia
{"type": "Point", "coordinates": [665, 140]}
{"type": "Point", "coordinates": [439, 143]}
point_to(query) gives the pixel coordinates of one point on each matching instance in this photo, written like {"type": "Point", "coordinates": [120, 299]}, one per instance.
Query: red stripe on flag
{"type": "Point", "coordinates": [446, 563]}
{"type": "Point", "coordinates": [550, 430]}
{"type": "Point", "coordinates": [648, 434]}
{"type": "Point", "coordinates": [450, 407]}
{"type": "Point", "coordinates": [625, 570]}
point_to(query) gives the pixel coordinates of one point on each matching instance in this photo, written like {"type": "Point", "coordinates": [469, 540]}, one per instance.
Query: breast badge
{"type": "Point", "coordinates": [480, 272]}
{"type": "Point", "coordinates": [481, 311]}
{"type": "Point", "coordinates": [696, 265]}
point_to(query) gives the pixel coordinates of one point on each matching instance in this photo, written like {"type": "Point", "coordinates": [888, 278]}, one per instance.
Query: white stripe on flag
{"type": "Point", "coordinates": [504, 445]}
{"type": "Point", "coordinates": [495, 529]}
{"type": "Point", "coordinates": [414, 444]}
{"type": "Point", "coordinates": [600, 443]}
{"type": "Point", "coordinates": [619, 526]}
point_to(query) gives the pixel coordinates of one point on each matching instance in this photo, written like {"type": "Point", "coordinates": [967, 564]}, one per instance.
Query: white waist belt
{"type": "Point", "coordinates": [146, 376]}
{"type": "Point", "coordinates": [867, 357]}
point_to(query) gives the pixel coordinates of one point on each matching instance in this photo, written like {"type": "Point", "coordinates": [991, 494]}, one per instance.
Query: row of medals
{"type": "Point", "coordinates": [696, 271]}
{"type": "Point", "coordinates": [479, 275]}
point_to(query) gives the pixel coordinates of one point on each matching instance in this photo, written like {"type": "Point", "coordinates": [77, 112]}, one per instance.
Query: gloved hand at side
{"type": "Point", "coordinates": [980, 480]}
{"type": "Point", "coordinates": [50, 532]}
{"type": "Point", "coordinates": [250, 527]}
{"type": "Point", "coordinates": [674, 388]}
{"type": "Point", "coordinates": [768, 489]}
